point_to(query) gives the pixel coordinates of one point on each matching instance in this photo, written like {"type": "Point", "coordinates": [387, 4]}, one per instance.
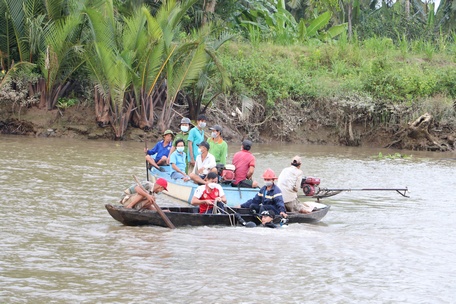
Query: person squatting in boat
{"type": "Point", "coordinates": [289, 183]}
{"type": "Point", "coordinates": [135, 197]}
{"type": "Point", "coordinates": [268, 198]}
{"type": "Point", "coordinates": [208, 195]}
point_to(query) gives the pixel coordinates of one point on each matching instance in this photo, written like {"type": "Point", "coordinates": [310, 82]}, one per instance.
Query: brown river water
{"type": "Point", "coordinates": [59, 244]}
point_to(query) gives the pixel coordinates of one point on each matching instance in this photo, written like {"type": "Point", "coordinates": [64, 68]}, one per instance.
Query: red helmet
{"type": "Point", "coordinates": [269, 174]}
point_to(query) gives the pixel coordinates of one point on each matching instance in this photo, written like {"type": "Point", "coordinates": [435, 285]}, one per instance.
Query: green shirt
{"type": "Point", "coordinates": [219, 150]}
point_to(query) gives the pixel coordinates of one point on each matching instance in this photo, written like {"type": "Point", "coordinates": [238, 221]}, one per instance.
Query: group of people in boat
{"type": "Point", "coordinates": [193, 158]}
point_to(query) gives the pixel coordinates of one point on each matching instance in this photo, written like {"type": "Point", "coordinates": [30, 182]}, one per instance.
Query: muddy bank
{"type": "Point", "coordinates": [323, 122]}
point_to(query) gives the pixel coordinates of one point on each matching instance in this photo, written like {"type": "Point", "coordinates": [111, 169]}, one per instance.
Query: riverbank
{"type": "Point", "coordinates": [320, 122]}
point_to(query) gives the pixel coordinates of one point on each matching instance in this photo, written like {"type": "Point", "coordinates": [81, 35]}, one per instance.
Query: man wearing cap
{"type": "Point", "coordinates": [161, 151]}
{"type": "Point", "coordinates": [135, 197]}
{"type": "Point", "coordinates": [208, 195]}
{"type": "Point", "coordinates": [195, 136]}
{"type": "Point", "coordinates": [219, 147]}
{"type": "Point", "coordinates": [205, 163]}
{"type": "Point", "coordinates": [183, 134]}
{"type": "Point", "coordinates": [289, 182]}
{"type": "Point", "coordinates": [269, 197]}
{"type": "Point", "coordinates": [244, 163]}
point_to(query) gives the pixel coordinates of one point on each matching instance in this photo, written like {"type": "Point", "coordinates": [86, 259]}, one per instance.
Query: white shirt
{"type": "Point", "coordinates": [200, 190]}
{"type": "Point", "coordinates": [289, 182]}
{"type": "Point", "coordinates": [207, 164]}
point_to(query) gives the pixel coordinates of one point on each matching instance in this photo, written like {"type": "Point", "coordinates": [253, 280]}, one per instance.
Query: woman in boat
{"type": "Point", "coordinates": [269, 197]}
{"type": "Point", "coordinates": [289, 182]}
{"type": "Point", "coordinates": [210, 194]}
{"type": "Point", "coordinates": [136, 198]}
{"type": "Point", "coordinates": [178, 161]}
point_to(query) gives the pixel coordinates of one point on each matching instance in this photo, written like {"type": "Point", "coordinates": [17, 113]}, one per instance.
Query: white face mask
{"type": "Point", "coordinates": [199, 151]}
{"type": "Point", "coordinates": [180, 149]}
{"type": "Point", "coordinates": [184, 128]}
{"type": "Point", "coordinates": [212, 185]}
{"type": "Point", "coordinates": [214, 134]}
{"type": "Point", "coordinates": [268, 183]}
{"type": "Point", "coordinates": [202, 124]}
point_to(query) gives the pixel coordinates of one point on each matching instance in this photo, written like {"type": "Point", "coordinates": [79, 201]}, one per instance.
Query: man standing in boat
{"type": "Point", "coordinates": [244, 163]}
{"type": "Point", "coordinates": [183, 134]}
{"type": "Point", "coordinates": [205, 163]}
{"type": "Point", "coordinates": [289, 183]}
{"type": "Point", "coordinates": [161, 151]}
{"type": "Point", "coordinates": [269, 197]}
{"type": "Point", "coordinates": [210, 194]}
{"type": "Point", "coordinates": [219, 147]}
{"type": "Point", "coordinates": [135, 197]}
{"type": "Point", "coordinates": [195, 136]}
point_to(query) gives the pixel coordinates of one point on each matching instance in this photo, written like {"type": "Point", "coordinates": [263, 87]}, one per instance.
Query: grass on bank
{"type": "Point", "coordinates": [409, 75]}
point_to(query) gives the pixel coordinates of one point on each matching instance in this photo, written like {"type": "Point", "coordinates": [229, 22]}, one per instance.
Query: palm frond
{"type": "Point", "coordinates": [187, 72]}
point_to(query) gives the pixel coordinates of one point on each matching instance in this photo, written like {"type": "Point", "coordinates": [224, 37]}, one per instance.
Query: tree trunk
{"type": "Point", "coordinates": [209, 9]}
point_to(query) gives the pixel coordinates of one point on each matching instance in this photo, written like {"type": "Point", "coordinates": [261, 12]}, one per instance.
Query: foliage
{"type": "Point", "coordinates": [14, 87]}
{"type": "Point", "coordinates": [65, 102]}
{"type": "Point", "coordinates": [393, 156]}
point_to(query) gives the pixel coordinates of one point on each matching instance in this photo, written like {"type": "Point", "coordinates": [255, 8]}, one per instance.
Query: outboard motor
{"type": "Point", "coordinates": [310, 185]}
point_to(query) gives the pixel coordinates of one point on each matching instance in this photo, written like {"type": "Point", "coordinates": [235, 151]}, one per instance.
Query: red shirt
{"type": "Point", "coordinates": [207, 196]}
{"type": "Point", "coordinates": [242, 160]}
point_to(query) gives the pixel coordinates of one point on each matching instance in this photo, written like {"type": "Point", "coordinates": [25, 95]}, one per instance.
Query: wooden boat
{"type": "Point", "coordinates": [184, 191]}
{"type": "Point", "coordinates": [189, 216]}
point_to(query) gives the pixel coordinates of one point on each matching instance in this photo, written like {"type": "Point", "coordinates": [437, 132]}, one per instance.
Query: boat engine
{"type": "Point", "coordinates": [310, 185]}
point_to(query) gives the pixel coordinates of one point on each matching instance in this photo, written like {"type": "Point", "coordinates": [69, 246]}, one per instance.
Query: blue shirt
{"type": "Point", "coordinates": [179, 160]}
{"type": "Point", "coordinates": [272, 197]}
{"type": "Point", "coordinates": [195, 136]}
{"type": "Point", "coordinates": [160, 150]}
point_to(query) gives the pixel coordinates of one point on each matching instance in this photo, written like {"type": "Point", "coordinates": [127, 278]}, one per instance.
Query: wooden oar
{"type": "Point", "coordinates": [147, 164]}
{"type": "Point", "coordinates": [159, 211]}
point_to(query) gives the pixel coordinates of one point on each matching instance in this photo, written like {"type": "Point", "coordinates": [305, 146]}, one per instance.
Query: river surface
{"type": "Point", "coordinates": [59, 244]}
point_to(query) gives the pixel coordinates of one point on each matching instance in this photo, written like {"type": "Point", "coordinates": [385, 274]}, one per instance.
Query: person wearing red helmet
{"type": "Point", "coordinates": [268, 198]}
{"type": "Point", "coordinates": [136, 198]}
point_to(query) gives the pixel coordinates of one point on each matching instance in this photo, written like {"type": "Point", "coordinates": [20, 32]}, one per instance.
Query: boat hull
{"type": "Point", "coordinates": [189, 216]}
{"type": "Point", "coordinates": [184, 191]}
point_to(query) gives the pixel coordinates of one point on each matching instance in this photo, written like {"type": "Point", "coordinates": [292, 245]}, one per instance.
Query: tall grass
{"type": "Point", "coordinates": [406, 75]}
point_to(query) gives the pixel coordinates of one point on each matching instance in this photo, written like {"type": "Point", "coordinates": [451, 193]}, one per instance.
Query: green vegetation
{"type": "Point", "coordinates": [393, 156]}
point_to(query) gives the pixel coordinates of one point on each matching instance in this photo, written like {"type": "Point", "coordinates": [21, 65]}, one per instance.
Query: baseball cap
{"type": "Point", "coordinates": [216, 128]}
{"type": "Point", "coordinates": [246, 144]}
{"type": "Point", "coordinates": [296, 160]}
{"type": "Point", "coordinates": [162, 182]}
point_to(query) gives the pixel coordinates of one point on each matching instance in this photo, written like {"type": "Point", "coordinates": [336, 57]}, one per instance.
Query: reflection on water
{"type": "Point", "coordinates": [59, 245]}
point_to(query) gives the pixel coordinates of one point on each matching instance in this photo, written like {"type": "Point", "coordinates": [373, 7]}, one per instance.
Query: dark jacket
{"type": "Point", "coordinates": [271, 199]}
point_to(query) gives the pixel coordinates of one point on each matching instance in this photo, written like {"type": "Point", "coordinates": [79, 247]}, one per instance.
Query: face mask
{"type": "Point", "coordinates": [180, 149]}
{"type": "Point", "coordinates": [211, 185]}
{"type": "Point", "coordinates": [199, 151]}
{"type": "Point", "coordinates": [184, 128]}
{"type": "Point", "coordinates": [202, 124]}
{"type": "Point", "coordinates": [268, 183]}
{"type": "Point", "coordinates": [159, 193]}
{"type": "Point", "coordinates": [214, 134]}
